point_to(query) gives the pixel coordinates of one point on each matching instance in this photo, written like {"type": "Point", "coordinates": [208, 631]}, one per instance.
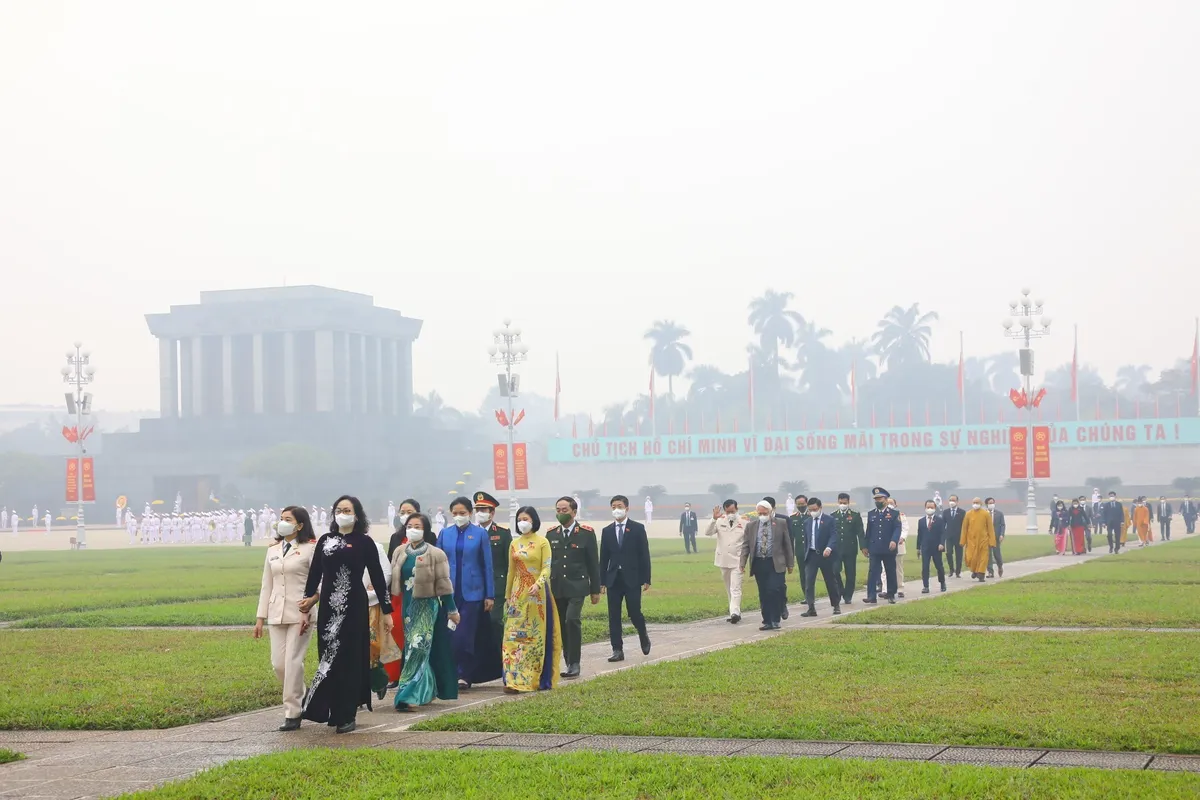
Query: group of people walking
{"type": "Point", "coordinates": [423, 617]}
{"type": "Point", "coordinates": [1075, 525]}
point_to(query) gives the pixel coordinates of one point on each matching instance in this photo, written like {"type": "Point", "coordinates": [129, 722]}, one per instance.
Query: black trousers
{"type": "Point", "coordinates": [771, 588]}
{"type": "Point", "coordinates": [1189, 524]}
{"type": "Point", "coordinates": [570, 615]}
{"type": "Point", "coordinates": [994, 556]}
{"type": "Point", "coordinates": [886, 563]}
{"type": "Point", "coordinates": [632, 595]}
{"type": "Point", "coordinates": [689, 542]}
{"type": "Point", "coordinates": [815, 562]}
{"type": "Point", "coordinates": [954, 558]}
{"type": "Point", "coordinates": [936, 557]}
{"type": "Point", "coordinates": [1164, 528]}
{"type": "Point", "coordinates": [1114, 536]}
{"type": "Point", "coordinates": [848, 565]}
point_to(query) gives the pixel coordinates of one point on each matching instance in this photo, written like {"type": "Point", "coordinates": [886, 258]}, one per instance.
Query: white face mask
{"type": "Point", "coordinates": [284, 529]}
{"type": "Point", "coordinates": [991, 506]}
{"type": "Point", "coordinates": [954, 504]}
{"type": "Point", "coordinates": [415, 535]}
{"type": "Point", "coordinates": [814, 513]}
{"type": "Point", "coordinates": [842, 506]}
{"type": "Point", "coordinates": [524, 526]}
{"type": "Point", "coordinates": [929, 512]}
{"type": "Point", "coordinates": [619, 513]}
{"type": "Point", "coordinates": [461, 520]}
{"type": "Point", "coordinates": [731, 516]}
{"type": "Point", "coordinates": [975, 506]}
{"type": "Point", "coordinates": [763, 519]}
{"type": "Point", "coordinates": [483, 518]}
{"type": "Point", "coordinates": [344, 520]}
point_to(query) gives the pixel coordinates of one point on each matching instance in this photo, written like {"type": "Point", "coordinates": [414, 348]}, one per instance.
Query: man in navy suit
{"type": "Point", "coordinates": [818, 546]}
{"type": "Point", "coordinates": [624, 574]}
{"type": "Point", "coordinates": [953, 537]}
{"type": "Point", "coordinates": [931, 543]}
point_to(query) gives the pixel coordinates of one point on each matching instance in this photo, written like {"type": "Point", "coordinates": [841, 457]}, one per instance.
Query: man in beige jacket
{"type": "Point", "coordinates": [730, 531]}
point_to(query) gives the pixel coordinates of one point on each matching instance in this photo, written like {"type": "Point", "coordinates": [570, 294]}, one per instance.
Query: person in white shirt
{"type": "Point", "coordinates": [791, 505]}
{"type": "Point", "coordinates": [383, 647]}
{"type": "Point", "coordinates": [730, 531]}
{"type": "Point", "coordinates": [46, 519]}
{"type": "Point", "coordinates": [649, 510]}
{"type": "Point", "coordinates": [16, 522]}
{"type": "Point", "coordinates": [899, 553]}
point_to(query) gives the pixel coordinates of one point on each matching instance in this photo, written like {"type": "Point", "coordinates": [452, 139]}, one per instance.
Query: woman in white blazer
{"type": "Point", "coordinates": [284, 576]}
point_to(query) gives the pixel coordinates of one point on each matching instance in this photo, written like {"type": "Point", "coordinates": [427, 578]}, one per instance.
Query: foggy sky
{"type": "Point", "coordinates": [589, 168]}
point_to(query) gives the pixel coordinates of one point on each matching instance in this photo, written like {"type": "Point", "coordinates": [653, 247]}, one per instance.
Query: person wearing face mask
{"type": "Point", "coordinates": [1188, 510]}
{"type": "Point", "coordinates": [994, 554]}
{"type": "Point", "coordinates": [1114, 522]}
{"type": "Point", "coordinates": [399, 537]}
{"type": "Point", "coordinates": [285, 573]}
{"type": "Point", "coordinates": [1141, 521]}
{"type": "Point", "coordinates": [384, 648]}
{"type": "Point", "coordinates": [420, 576]}
{"type": "Point", "coordinates": [767, 547]}
{"type": "Point", "coordinates": [978, 537]}
{"type": "Point", "coordinates": [729, 529]}
{"type": "Point", "coordinates": [575, 575]}
{"type": "Point", "coordinates": [488, 663]}
{"type": "Point", "coordinates": [820, 543]}
{"type": "Point", "coordinates": [882, 541]}
{"type": "Point", "coordinates": [532, 630]}
{"type": "Point", "coordinates": [624, 575]}
{"type": "Point", "coordinates": [931, 543]}
{"type": "Point", "coordinates": [470, 554]}
{"type": "Point", "coordinates": [850, 540]}
{"type": "Point", "coordinates": [1165, 513]}
{"type": "Point", "coordinates": [901, 549]}
{"type": "Point", "coordinates": [1060, 527]}
{"type": "Point", "coordinates": [343, 682]}
{"type": "Point", "coordinates": [1078, 523]}
{"type": "Point", "coordinates": [688, 527]}
{"type": "Point", "coordinates": [954, 517]}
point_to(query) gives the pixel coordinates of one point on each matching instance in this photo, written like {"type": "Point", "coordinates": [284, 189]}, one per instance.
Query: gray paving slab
{"type": "Point", "coordinates": [895, 752]}
{"type": "Point", "coordinates": [136, 774]}
{"type": "Point", "coordinates": [622, 744]}
{"type": "Point", "coordinates": [1175, 763]}
{"type": "Point", "coordinates": [446, 738]}
{"type": "Point", "coordinates": [74, 787]}
{"type": "Point", "coordinates": [1073, 758]}
{"type": "Point", "coordinates": [784, 747]}
{"type": "Point", "coordinates": [542, 740]}
{"type": "Point", "coordinates": [529, 748]}
{"type": "Point", "coordinates": [988, 756]}
{"type": "Point", "coordinates": [703, 746]}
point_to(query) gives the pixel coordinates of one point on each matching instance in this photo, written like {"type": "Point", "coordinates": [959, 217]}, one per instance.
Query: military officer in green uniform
{"type": "Point", "coordinates": [850, 541]}
{"type": "Point", "coordinates": [795, 524]}
{"type": "Point", "coordinates": [574, 576]}
{"type": "Point", "coordinates": [500, 538]}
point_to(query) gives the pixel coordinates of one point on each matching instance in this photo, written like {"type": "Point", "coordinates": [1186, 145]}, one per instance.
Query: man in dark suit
{"type": "Point", "coordinates": [850, 539]}
{"type": "Point", "coordinates": [574, 576]}
{"type": "Point", "coordinates": [998, 526]}
{"type": "Point", "coordinates": [768, 549]}
{"type": "Point", "coordinates": [819, 540]}
{"type": "Point", "coordinates": [1188, 510]}
{"type": "Point", "coordinates": [882, 540]}
{"type": "Point", "coordinates": [954, 551]}
{"type": "Point", "coordinates": [1114, 521]}
{"type": "Point", "coordinates": [931, 543]}
{"type": "Point", "coordinates": [624, 575]}
{"type": "Point", "coordinates": [1165, 512]}
{"type": "Point", "coordinates": [688, 525]}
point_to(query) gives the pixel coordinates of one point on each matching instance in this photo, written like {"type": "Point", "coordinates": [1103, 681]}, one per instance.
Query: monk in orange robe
{"type": "Point", "coordinates": [978, 537]}
{"type": "Point", "coordinates": [1141, 521]}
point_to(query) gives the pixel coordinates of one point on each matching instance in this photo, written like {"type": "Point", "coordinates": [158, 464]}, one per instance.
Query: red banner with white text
{"type": "Point", "coordinates": [72, 480]}
{"type": "Point", "coordinates": [1018, 458]}
{"type": "Point", "coordinates": [500, 466]}
{"type": "Point", "coordinates": [1041, 451]}
{"type": "Point", "coordinates": [520, 467]}
{"type": "Point", "coordinates": [88, 481]}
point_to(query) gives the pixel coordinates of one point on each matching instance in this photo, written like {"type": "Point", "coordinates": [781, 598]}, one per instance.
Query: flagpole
{"type": "Point", "coordinates": [1195, 364]}
{"type": "Point", "coordinates": [1075, 377]}
{"type": "Point", "coordinates": [854, 390]}
{"type": "Point", "coordinates": [750, 373]}
{"type": "Point", "coordinates": [962, 381]}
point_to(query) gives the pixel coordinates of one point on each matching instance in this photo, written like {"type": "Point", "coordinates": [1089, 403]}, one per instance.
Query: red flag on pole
{"type": "Point", "coordinates": [768, 420]}
{"type": "Point", "coordinates": [686, 427]}
{"type": "Point", "coordinates": [927, 423]}
{"type": "Point", "coordinates": [1075, 369]}
{"type": "Point", "coordinates": [557, 387]}
{"type": "Point", "coordinates": [751, 373]}
{"type": "Point", "coordinates": [1196, 357]}
{"type": "Point", "coordinates": [853, 385]}
{"type": "Point", "coordinates": [891, 415]}
{"type": "Point", "coordinates": [652, 398]}
{"type": "Point", "coordinates": [718, 421]}
{"type": "Point", "coordinates": [591, 428]}
{"type": "Point", "coordinates": [961, 376]}
{"type": "Point", "coordinates": [872, 415]}
{"type": "Point", "coordinates": [671, 424]}
{"type": "Point", "coordinates": [574, 430]}
{"type": "Point", "coordinates": [821, 421]}
{"type": "Point", "coordinates": [908, 418]}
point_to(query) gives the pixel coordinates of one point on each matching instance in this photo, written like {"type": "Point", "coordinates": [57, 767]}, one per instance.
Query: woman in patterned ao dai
{"type": "Point", "coordinates": [532, 637]}
{"type": "Point", "coordinates": [342, 682]}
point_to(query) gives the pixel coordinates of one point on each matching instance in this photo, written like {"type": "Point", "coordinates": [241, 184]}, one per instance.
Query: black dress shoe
{"type": "Point", "coordinates": [900, 594]}
{"type": "Point", "coordinates": [572, 672]}
{"type": "Point", "coordinates": [846, 601]}
{"type": "Point", "coordinates": [346, 727]}
{"type": "Point", "coordinates": [784, 613]}
{"type": "Point", "coordinates": [404, 707]}
{"type": "Point", "coordinates": [871, 602]}
{"type": "Point", "coordinates": [837, 610]}
{"type": "Point", "coordinates": [767, 626]}
{"type": "Point", "coordinates": [645, 642]}
{"type": "Point", "coordinates": [891, 601]}
{"type": "Point", "coordinates": [812, 612]}
{"type": "Point", "coordinates": [925, 590]}
{"type": "Point", "coordinates": [1001, 571]}
{"type": "Point", "coordinates": [616, 656]}
{"type": "Point", "coordinates": [943, 586]}
{"type": "Point", "coordinates": [394, 685]}
{"type": "Point", "coordinates": [290, 724]}
{"type": "Point", "coordinates": [735, 619]}
{"type": "Point", "coordinates": [776, 627]}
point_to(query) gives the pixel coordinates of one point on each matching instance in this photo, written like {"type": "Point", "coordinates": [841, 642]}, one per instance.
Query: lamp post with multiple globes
{"type": "Point", "coordinates": [1022, 326]}
{"type": "Point", "coordinates": [508, 350]}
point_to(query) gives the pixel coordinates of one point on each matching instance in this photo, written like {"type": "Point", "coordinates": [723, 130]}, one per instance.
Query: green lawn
{"type": "Point", "coordinates": [113, 680]}
{"type": "Point", "coordinates": [354, 774]}
{"type": "Point", "coordinates": [1111, 691]}
{"type": "Point", "coordinates": [8, 755]}
{"type": "Point", "coordinates": [1155, 587]}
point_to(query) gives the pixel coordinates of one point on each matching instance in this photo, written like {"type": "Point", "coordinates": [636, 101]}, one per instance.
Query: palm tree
{"type": "Point", "coordinates": [774, 323]}
{"type": "Point", "coordinates": [1186, 485]}
{"type": "Point", "coordinates": [1132, 379]}
{"type": "Point", "coordinates": [723, 491]}
{"type": "Point", "coordinates": [434, 408]}
{"type": "Point", "coordinates": [945, 488]}
{"type": "Point", "coordinates": [669, 355]}
{"type": "Point", "coordinates": [1104, 483]}
{"type": "Point", "coordinates": [903, 336]}
{"type": "Point", "coordinates": [859, 354]}
{"type": "Point", "coordinates": [707, 382]}
{"type": "Point", "coordinates": [1002, 371]}
{"type": "Point", "coordinates": [794, 488]}
{"type": "Point", "coordinates": [653, 492]}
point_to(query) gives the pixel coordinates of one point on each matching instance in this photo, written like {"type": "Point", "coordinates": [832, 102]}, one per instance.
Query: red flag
{"type": "Point", "coordinates": [927, 423]}
{"type": "Point", "coordinates": [1156, 414]}
{"type": "Point", "coordinates": [574, 430]}
{"type": "Point", "coordinates": [853, 384]}
{"type": "Point", "coordinates": [652, 397]}
{"type": "Point", "coordinates": [591, 428]}
{"type": "Point", "coordinates": [908, 418]}
{"type": "Point", "coordinates": [686, 427]}
{"type": "Point", "coordinates": [1075, 369]}
{"type": "Point", "coordinates": [557, 386]}
{"type": "Point", "coordinates": [872, 415]}
{"type": "Point", "coordinates": [768, 420]}
{"type": "Point", "coordinates": [718, 422]}
{"type": "Point", "coordinates": [520, 416]}
{"type": "Point", "coordinates": [821, 421]}
{"type": "Point", "coordinates": [891, 416]}
{"type": "Point", "coordinates": [606, 427]}
{"type": "Point", "coordinates": [671, 424]}
{"type": "Point", "coordinates": [1196, 357]}
{"type": "Point", "coordinates": [960, 366]}
{"type": "Point", "coordinates": [751, 372]}
{"type": "Point", "coordinates": [837, 420]}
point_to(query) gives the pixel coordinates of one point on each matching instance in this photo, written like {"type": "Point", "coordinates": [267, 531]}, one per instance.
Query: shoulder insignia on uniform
{"type": "Point", "coordinates": [586, 528]}
{"type": "Point", "coordinates": [499, 527]}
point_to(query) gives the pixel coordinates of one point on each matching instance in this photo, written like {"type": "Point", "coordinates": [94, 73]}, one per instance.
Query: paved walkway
{"type": "Point", "coordinates": [78, 764]}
